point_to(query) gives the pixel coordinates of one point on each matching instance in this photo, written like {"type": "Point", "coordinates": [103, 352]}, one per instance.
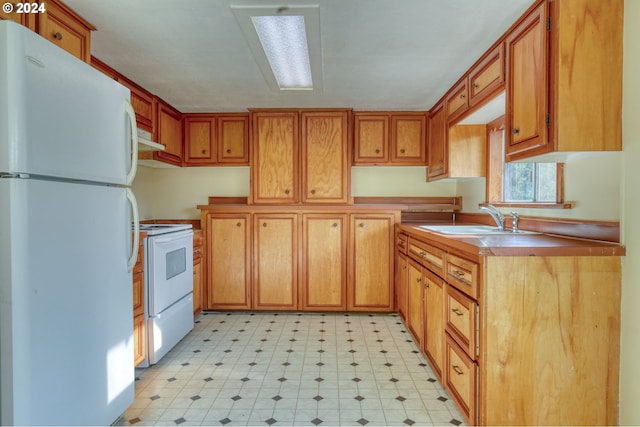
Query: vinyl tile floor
{"type": "Point", "coordinates": [267, 368]}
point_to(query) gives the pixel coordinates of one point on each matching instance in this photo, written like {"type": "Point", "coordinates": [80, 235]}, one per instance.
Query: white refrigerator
{"type": "Point", "coordinates": [67, 158]}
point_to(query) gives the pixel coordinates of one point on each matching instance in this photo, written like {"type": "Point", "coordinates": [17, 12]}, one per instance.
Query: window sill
{"type": "Point", "coordinates": [530, 205]}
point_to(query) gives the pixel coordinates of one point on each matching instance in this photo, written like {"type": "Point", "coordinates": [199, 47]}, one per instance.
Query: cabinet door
{"type": "Point", "coordinates": [457, 102]}
{"type": "Point", "coordinates": [371, 262]}
{"type": "Point", "coordinates": [233, 139]}
{"type": "Point", "coordinates": [274, 158]}
{"type": "Point", "coordinates": [139, 340]}
{"type": "Point", "coordinates": [402, 283]}
{"type": "Point", "coordinates": [64, 28]}
{"type": "Point", "coordinates": [527, 91]}
{"type": "Point", "coordinates": [487, 77]}
{"type": "Point", "coordinates": [415, 317]}
{"type": "Point", "coordinates": [275, 280]}
{"type": "Point", "coordinates": [199, 139]}
{"type": "Point", "coordinates": [143, 104]}
{"type": "Point", "coordinates": [197, 286]}
{"type": "Point", "coordinates": [434, 321]}
{"type": "Point", "coordinates": [20, 18]}
{"type": "Point", "coordinates": [138, 293]}
{"type": "Point", "coordinates": [371, 139]}
{"type": "Point", "coordinates": [324, 245]}
{"type": "Point", "coordinates": [437, 148]}
{"type": "Point", "coordinates": [325, 157]}
{"type": "Point", "coordinates": [228, 261]}
{"type": "Point", "coordinates": [408, 142]}
{"type": "Point", "coordinates": [169, 133]}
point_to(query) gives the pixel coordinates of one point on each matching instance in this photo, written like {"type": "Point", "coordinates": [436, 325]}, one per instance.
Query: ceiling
{"type": "Point", "coordinates": [376, 54]}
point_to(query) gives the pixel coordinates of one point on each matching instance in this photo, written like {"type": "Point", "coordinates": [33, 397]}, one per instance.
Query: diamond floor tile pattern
{"type": "Point", "coordinates": [271, 369]}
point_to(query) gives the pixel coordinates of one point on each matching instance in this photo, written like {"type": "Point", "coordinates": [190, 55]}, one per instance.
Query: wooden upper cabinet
{"type": "Point", "coordinates": [169, 133]}
{"type": "Point", "coordinates": [199, 139]}
{"type": "Point", "coordinates": [65, 28]}
{"type": "Point", "coordinates": [142, 101]}
{"type": "Point", "coordinates": [371, 139]}
{"type": "Point", "coordinates": [564, 80]}
{"type": "Point", "coordinates": [325, 268]}
{"type": "Point", "coordinates": [325, 157]}
{"type": "Point", "coordinates": [487, 76]}
{"type": "Point", "coordinates": [20, 18]}
{"type": "Point", "coordinates": [457, 101]}
{"type": "Point", "coordinates": [437, 147]}
{"type": "Point", "coordinates": [274, 158]}
{"type": "Point", "coordinates": [525, 120]}
{"type": "Point", "coordinates": [275, 268]}
{"type": "Point", "coordinates": [408, 139]}
{"type": "Point", "coordinates": [233, 139]}
{"type": "Point", "coordinates": [389, 138]}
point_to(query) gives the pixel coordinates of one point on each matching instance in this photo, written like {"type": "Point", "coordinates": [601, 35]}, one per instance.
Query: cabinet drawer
{"type": "Point", "coordinates": [461, 320]}
{"type": "Point", "coordinates": [402, 241]}
{"type": "Point", "coordinates": [462, 274]}
{"type": "Point", "coordinates": [461, 379]}
{"type": "Point", "coordinates": [430, 257]}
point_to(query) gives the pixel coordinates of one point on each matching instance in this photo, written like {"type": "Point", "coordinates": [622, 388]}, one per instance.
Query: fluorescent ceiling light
{"type": "Point", "coordinates": [284, 40]}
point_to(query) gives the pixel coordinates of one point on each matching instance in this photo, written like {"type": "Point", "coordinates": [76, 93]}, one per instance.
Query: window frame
{"type": "Point", "coordinates": [495, 173]}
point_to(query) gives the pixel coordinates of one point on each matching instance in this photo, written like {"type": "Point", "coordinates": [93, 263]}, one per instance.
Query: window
{"type": "Point", "coordinates": [520, 184]}
{"type": "Point", "coordinates": [529, 182]}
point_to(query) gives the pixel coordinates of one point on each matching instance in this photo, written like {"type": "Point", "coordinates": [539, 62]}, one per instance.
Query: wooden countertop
{"type": "Point", "coordinates": [514, 245]}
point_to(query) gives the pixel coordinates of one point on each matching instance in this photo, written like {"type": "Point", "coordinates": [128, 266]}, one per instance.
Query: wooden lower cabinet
{"type": "Point", "coordinates": [197, 285]}
{"type": "Point", "coordinates": [402, 271]}
{"type": "Point", "coordinates": [228, 252]}
{"type": "Point", "coordinates": [521, 340]}
{"type": "Point", "coordinates": [324, 264]}
{"type": "Point", "coordinates": [415, 317]}
{"type": "Point", "coordinates": [371, 286]}
{"type": "Point", "coordinates": [275, 274]}
{"type": "Point", "coordinates": [139, 324]}
{"type": "Point", "coordinates": [433, 346]}
{"type": "Point", "coordinates": [139, 340]}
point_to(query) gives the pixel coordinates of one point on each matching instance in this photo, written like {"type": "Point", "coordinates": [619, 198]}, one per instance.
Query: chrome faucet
{"type": "Point", "coordinates": [515, 217]}
{"type": "Point", "coordinates": [495, 214]}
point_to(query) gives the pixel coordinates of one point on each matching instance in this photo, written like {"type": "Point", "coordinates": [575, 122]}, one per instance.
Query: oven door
{"type": "Point", "coordinates": [169, 269]}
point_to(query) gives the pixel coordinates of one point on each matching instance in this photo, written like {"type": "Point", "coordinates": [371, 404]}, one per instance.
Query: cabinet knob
{"type": "Point", "coordinates": [313, 191]}
{"type": "Point", "coordinates": [287, 191]}
{"type": "Point", "coordinates": [239, 224]}
{"type": "Point", "coordinates": [419, 279]}
{"type": "Point", "coordinates": [204, 151]}
{"type": "Point", "coordinates": [228, 150]}
{"type": "Point", "coordinates": [441, 161]}
{"type": "Point", "coordinates": [463, 96]}
{"type": "Point", "coordinates": [57, 36]}
{"type": "Point", "coordinates": [402, 150]}
{"type": "Point", "coordinates": [457, 273]}
{"type": "Point", "coordinates": [475, 85]}
{"type": "Point", "coordinates": [264, 224]}
{"type": "Point", "coordinates": [515, 131]}
{"type": "Point", "coordinates": [426, 286]}
{"type": "Point", "coordinates": [457, 370]}
{"type": "Point", "coordinates": [377, 151]}
{"type": "Point", "coordinates": [335, 225]}
{"type": "Point", "coordinates": [361, 225]}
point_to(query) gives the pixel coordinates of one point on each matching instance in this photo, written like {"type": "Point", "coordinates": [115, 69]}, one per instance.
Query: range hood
{"type": "Point", "coordinates": [146, 144]}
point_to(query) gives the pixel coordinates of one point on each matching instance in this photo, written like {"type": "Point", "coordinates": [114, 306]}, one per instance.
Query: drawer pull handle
{"type": "Point", "coordinates": [457, 312]}
{"type": "Point", "coordinates": [457, 370]}
{"type": "Point", "coordinates": [57, 36]}
{"type": "Point", "coordinates": [458, 273]}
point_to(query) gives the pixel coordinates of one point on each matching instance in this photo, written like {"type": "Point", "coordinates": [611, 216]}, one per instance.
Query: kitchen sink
{"type": "Point", "coordinates": [472, 230]}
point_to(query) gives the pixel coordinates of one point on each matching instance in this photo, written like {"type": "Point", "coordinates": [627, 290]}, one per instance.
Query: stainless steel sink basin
{"type": "Point", "coordinates": [473, 230]}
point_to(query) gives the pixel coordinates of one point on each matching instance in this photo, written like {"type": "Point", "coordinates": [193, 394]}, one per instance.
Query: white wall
{"type": "Point", "coordinates": [592, 183]}
{"type": "Point", "coordinates": [630, 338]}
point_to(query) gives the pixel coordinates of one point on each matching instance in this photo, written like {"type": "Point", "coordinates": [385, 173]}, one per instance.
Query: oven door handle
{"type": "Point", "coordinates": [136, 230]}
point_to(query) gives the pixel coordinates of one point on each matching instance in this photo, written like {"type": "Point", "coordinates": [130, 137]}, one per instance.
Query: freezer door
{"type": "Point", "coordinates": [66, 330]}
{"type": "Point", "coordinates": [59, 116]}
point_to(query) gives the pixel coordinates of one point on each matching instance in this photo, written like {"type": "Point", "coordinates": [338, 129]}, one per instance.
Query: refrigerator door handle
{"type": "Point", "coordinates": [136, 230]}
{"type": "Point", "coordinates": [134, 142]}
